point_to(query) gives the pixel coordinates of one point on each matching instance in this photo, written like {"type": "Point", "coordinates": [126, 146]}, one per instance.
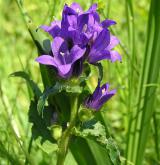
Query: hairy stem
{"type": "Point", "coordinates": [64, 141]}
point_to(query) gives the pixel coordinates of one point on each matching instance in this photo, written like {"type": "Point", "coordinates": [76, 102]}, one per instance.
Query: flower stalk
{"type": "Point", "coordinates": [64, 141]}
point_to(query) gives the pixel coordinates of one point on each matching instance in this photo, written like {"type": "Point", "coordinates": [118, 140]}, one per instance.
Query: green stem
{"type": "Point", "coordinates": [64, 141]}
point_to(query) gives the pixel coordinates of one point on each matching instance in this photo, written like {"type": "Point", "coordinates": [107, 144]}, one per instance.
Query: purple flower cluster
{"type": "Point", "coordinates": [80, 36]}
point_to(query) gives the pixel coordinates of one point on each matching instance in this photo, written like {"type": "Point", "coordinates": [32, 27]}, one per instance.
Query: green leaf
{"type": "Point", "coordinates": [40, 125]}
{"type": "Point", "coordinates": [81, 151]}
{"type": "Point", "coordinates": [57, 88]}
{"type": "Point", "coordinates": [70, 160]}
{"type": "Point", "coordinates": [97, 132]}
{"type": "Point", "coordinates": [52, 90]}
{"type": "Point", "coordinates": [100, 69]}
{"type": "Point", "coordinates": [35, 89]}
{"type": "Point", "coordinates": [72, 89]}
{"type": "Point", "coordinates": [47, 146]}
{"type": "Point", "coordinates": [10, 157]}
{"type": "Point", "coordinates": [99, 152]}
{"type": "Point", "coordinates": [113, 151]}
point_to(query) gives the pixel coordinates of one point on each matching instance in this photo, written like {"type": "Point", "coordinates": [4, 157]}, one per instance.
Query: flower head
{"type": "Point", "coordinates": [99, 97]}
{"type": "Point", "coordinates": [79, 36]}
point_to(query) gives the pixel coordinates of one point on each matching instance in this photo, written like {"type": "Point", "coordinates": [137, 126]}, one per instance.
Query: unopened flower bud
{"type": "Point", "coordinates": [56, 131]}
{"type": "Point", "coordinates": [85, 114]}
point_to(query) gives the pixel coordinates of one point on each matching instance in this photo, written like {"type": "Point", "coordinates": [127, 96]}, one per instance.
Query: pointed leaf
{"type": "Point", "coordinates": [32, 84]}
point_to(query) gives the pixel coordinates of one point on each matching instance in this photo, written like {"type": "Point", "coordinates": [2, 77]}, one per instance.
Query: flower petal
{"type": "Point", "coordinates": [76, 53]}
{"type": "Point", "coordinates": [106, 97]}
{"type": "Point", "coordinates": [97, 93]}
{"type": "Point", "coordinates": [68, 10]}
{"type": "Point", "coordinates": [115, 56]}
{"type": "Point", "coordinates": [46, 60]}
{"type": "Point", "coordinates": [76, 7]}
{"type": "Point", "coordinates": [101, 42]}
{"type": "Point", "coordinates": [64, 70]}
{"type": "Point", "coordinates": [106, 23]}
{"type": "Point", "coordinates": [98, 56]}
{"type": "Point", "coordinates": [93, 12]}
{"type": "Point", "coordinates": [93, 8]}
{"type": "Point", "coordinates": [82, 22]}
{"type": "Point", "coordinates": [74, 37]}
{"type": "Point", "coordinates": [72, 21]}
{"type": "Point", "coordinates": [113, 42]}
{"type": "Point", "coordinates": [105, 88]}
{"type": "Point", "coordinates": [85, 38]}
{"type": "Point", "coordinates": [58, 45]}
{"type": "Point", "coordinates": [54, 29]}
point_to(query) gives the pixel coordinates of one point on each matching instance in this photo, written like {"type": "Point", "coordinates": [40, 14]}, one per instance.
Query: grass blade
{"type": "Point", "coordinates": [141, 119]}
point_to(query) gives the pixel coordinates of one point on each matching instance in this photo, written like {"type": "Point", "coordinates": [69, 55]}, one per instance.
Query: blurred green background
{"type": "Point", "coordinates": [17, 52]}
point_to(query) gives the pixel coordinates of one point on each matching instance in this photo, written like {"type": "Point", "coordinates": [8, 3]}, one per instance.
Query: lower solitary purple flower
{"type": "Point", "coordinates": [63, 57]}
{"type": "Point", "coordinates": [99, 97]}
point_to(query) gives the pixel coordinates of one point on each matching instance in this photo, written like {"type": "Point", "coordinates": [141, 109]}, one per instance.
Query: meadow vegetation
{"type": "Point", "coordinates": [132, 117]}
